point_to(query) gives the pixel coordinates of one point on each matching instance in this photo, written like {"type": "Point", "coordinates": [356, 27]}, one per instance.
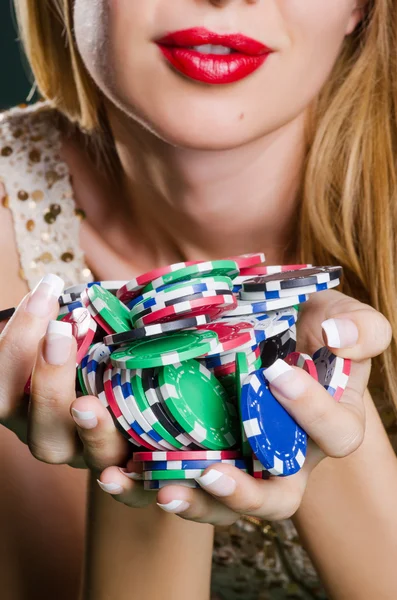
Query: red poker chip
{"type": "Point", "coordinates": [258, 471]}
{"type": "Point", "coordinates": [114, 407]}
{"type": "Point", "coordinates": [304, 361]}
{"type": "Point", "coordinates": [225, 369]}
{"type": "Point", "coordinates": [230, 336]}
{"type": "Point", "coordinates": [131, 289]}
{"type": "Point", "coordinates": [83, 328]}
{"type": "Point", "coordinates": [188, 455]}
{"type": "Point", "coordinates": [269, 270]}
{"type": "Point", "coordinates": [95, 315]}
{"type": "Point", "coordinates": [211, 306]}
{"type": "Point", "coordinates": [244, 261]}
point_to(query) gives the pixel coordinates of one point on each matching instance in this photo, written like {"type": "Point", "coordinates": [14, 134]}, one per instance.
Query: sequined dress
{"type": "Point", "coordinates": [253, 559]}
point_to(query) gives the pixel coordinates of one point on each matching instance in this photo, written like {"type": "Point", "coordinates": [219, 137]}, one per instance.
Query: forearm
{"type": "Point", "coordinates": [348, 518]}
{"type": "Point", "coordinates": [144, 553]}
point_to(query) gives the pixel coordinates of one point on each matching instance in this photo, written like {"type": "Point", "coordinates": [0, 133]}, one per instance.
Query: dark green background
{"type": "Point", "coordinates": [15, 79]}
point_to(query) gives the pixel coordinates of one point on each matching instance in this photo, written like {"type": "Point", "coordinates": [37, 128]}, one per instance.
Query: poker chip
{"type": "Point", "coordinates": [230, 336]}
{"type": "Point", "coordinates": [210, 305]}
{"type": "Point", "coordinates": [6, 314]}
{"type": "Point", "coordinates": [245, 261]}
{"type": "Point", "coordinates": [278, 346]}
{"type": "Point", "coordinates": [155, 401]}
{"type": "Point", "coordinates": [183, 465]}
{"type": "Point", "coordinates": [158, 329]}
{"type": "Point", "coordinates": [157, 485]}
{"type": "Point", "coordinates": [83, 329]}
{"type": "Point", "coordinates": [245, 307]}
{"type": "Point", "coordinates": [217, 455]}
{"type": "Point", "coordinates": [200, 404]}
{"type": "Point", "coordinates": [155, 352]}
{"type": "Point", "coordinates": [67, 308]}
{"type": "Point", "coordinates": [98, 354]}
{"type": "Point", "coordinates": [304, 361]}
{"type": "Point", "coordinates": [270, 269]}
{"type": "Point", "coordinates": [131, 288]}
{"type": "Point", "coordinates": [257, 470]}
{"type": "Point", "coordinates": [103, 303]}
{"type": "Point", "coordinates": [333, 371]}
{"type": "Point", "coordinates": [285, 293]}
{"type": "Point", "coordinates": [275, 438]}
{"type": "Point", "coordinates": [66, 299]}
{"type": "Point", "coordinates": [291, 279]}
{"type": "Point", "coordinates": [81, 381]}
{"type": "Point", "coordinates": [111, 286]}
{"type": "Point", "coordinates": [242, 372]}
{"type": "Point", "coordinates": [169, 475]}
{"type": "Point", "coordinates": [225, 268]}
{"type": "Point", "coordinates": [267, 325]}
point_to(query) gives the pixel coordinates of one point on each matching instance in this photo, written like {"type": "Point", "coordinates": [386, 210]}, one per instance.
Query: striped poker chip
{"type": "Point", "coordinates": [83, 369]}
{"type": "Point", "coordinates": [158, 329]}
{"type": "Point", "coordinates": [109, 308]}
{"type": "Point", "coordinates": [217, 455]}
{"type": "Point", "coordinates": [303, 361]}
{"type": "Point", "coordinates": [285, 293]}
{"type": "Point", "coordinates": [153, 395]}
{"type": "Point", "coordinates": [131, 288]}
{"type": "Point", "coordinates": [183, 465]}
{"type": "Point", "coordinates": [66, 299]}
{"type": "Point", "coordinates": [173, 292]}
{"type": "Point", "coordinates": [333, 371]}
{"type": "Point", "coordinates": [293, 279]}
{"type": "Point", "coordinates": [251, 354]}
{"type": "Point", "coordinates": [128, 406]}
{"type": "Point", "coordinates": [113, 408]}
{"type": "Point", "coordinates": [111, 286]}
{"type": "Point", "coordinates": [242, 372]}
{"type": "Point", "coordinates": [230, 336]}
{"type": "Point", "coordinates": [83, 328]}
{"type": "Point", "coordinates": [278, 346]}
{"type": "Point", "coordinates": [257, 470]}
{"type": "Point", "coordinates": [98, 354]}
{"type": "Point", "coordinates": [164, 475]}
{"type": "Point", "coordinates": [275, 438]}
{"type": "Point", "coordinates": [244, 307]}
{"type": "Point", "coordinates": [213, 306]}
{"type": "Point", "coordinates": [245, 261]}
{"type": "Point", "coordinates": [270, 324]}
{"type": "Point", "coordinates": [157, 485]}
{"type": "Point", "coordinates": [225, 268]}
{"type": "Point", "coordinates": [67, 308]}
{"type": "Point", "coordinates": [270, 269]}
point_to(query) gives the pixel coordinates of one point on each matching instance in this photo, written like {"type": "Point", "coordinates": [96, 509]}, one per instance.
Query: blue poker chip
{"type": "Point", "coordinates": [181, 293]}
{"type": "Point", "coordinates": [182, 465]}
{"type": "Point", "coordinates": [275, 438]}
{"type": "Point", "coordinates": [286, 293]}
{"type": "Point", "coordinates": [68, 308]}
{"type": "Point", "coordinates": [97, 355]}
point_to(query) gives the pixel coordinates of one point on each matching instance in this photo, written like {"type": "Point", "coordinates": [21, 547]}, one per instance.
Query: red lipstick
{"type": "Point", "coordinates": [242, 55]}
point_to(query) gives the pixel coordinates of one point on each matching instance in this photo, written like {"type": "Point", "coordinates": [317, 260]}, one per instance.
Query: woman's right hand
{"type": "Point", "coordinates": [31, 345]}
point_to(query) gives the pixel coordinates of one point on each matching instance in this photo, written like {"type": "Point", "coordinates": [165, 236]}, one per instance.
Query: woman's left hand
{"type": "Point", "coordinates": [351, 330]}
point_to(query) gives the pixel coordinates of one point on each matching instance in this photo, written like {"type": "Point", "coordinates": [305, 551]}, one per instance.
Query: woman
{"type": "Point", "coordinates": [277, 138]}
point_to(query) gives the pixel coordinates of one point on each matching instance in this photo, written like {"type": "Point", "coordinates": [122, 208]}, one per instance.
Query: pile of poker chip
{"type": "Point", "coordinates": [177, 356]}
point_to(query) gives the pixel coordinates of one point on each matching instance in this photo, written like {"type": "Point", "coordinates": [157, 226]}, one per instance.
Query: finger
{"type": "Point", "coordinates": [274, 499]}
{"type": "Point", "coordinates": [336, 427]}
{"type": "Point", "coordinates": [125, 488]}
{"type": "Point", "coordinates": [19, 340]}
{"type": "Point", "coordinates": [103, 445]}
{"type": "Point", "coordinates": [51, 432]}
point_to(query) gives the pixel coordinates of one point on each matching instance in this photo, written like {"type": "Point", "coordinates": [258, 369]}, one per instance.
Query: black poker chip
{"type": "Point", "coordinates": [278, 346]}
{"type": "Point", "coordinates": [292, 279]}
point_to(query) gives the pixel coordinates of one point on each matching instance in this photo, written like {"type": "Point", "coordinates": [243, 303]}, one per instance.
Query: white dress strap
{"type": "Point", "coordinates": [40, 196]}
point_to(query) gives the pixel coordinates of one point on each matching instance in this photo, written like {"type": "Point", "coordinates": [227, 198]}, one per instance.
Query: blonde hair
{"type": "Point", "coordinates": [348, 209]}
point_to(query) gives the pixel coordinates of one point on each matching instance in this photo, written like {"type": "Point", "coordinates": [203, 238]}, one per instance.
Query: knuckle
{"type": "Point", "coordinates": [50, 454]}
{"type": "Point", "coordinates": [255, 502]}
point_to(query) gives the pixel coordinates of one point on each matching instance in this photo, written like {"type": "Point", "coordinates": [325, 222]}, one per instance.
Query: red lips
{"type": "Point", "coordinates": [246, 57]}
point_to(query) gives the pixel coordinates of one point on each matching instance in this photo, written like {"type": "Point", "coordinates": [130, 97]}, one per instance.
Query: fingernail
{"type": "Point", "coordinates": [217, 483]}
{"type": "Point", "coordinates": [110, 488]}
{"type": "Point", "coordinates": [58, 342]}
{"type": "Point", "coordinates": [284, 379]}
{"type": "Point", "coordinates": [175, 506]}
{"type": "Point", "coordinates": [86, 419]}
{"type": "Point", "coordinates": [340, 333]}
{"type": "Point", "coordinates": [131, 474]}
{"type": "Point", "coordinates": [41, 299]}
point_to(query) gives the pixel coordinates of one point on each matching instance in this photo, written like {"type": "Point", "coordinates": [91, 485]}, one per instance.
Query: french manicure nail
{"type": "Point", "coordinates": [340, 333]}
{"type": "Point", "coordinates": [217, 483]}
{"type": "Point", "coordinates": [41, 299]}
{"type": "Point", "coordinates": [86, 419]}
{"type": "Point", "coordinates": [110, 488]}
{"type": "Point", "coordinates": [58, 342]}
{"type": "Point", "coordinates": [284, 379]}
{"type": "Point", "coordinates": [175, 506]}
{"type": "Point", "coordinates": [131, 474]}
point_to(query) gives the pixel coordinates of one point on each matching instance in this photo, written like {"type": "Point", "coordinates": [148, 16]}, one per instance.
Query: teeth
{"type": "Point", "coordinates": [210, 49]}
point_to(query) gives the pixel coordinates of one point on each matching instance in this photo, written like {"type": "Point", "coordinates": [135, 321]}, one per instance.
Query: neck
{"type": "Point", "coordinates": [202, 204]}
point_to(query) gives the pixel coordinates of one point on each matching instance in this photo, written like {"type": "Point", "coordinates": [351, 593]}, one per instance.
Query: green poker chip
{"type": "Point", "coordinates": [81, 381]}
{"type": "Point", "coordinates": [110, 309]}
{"type": "Point", "coordinates": [242, 372]}
{"type": "Point", "coordinates": [223, 268]}
{"type": "Point", "coordinates": [166, 350]}
{"type": "Point", "coordinates": [200, 404]}
{"type": "Point", "coordinates": [180, 474]}
{"type": "Point", "coordinates": [146, 410]}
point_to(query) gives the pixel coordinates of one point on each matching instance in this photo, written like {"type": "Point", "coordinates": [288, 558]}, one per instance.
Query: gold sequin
{"type": "Point", "coordinates": [46, 257]}
{"type": "Point", "coordinates": [80, 214]}
{"type": "Point", "coordinates": [55, 209]}
{"type": "Point", "coordinates": [6, 202]}
{"type": "Point", "coordinates": [6, 151]}
{"type": "Point", "coordinates": [67, 257]}
{"type": "Point", "coordinates": [49, 218]}
{"type": "Point", "coordinates": [22, 195]}
{"type": "Point", "coordinates": [30, 225]}
{"type": "Point", "coordinates": [17, 133]}
{"type": "Point", "coordinates": [52, 177]}
{"type": "Point", "coordinates": [38, 195]}
{"type": "Point", "coordinates": [35, 155]}
{"type": "Point", "coordinates": [36, 138]}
